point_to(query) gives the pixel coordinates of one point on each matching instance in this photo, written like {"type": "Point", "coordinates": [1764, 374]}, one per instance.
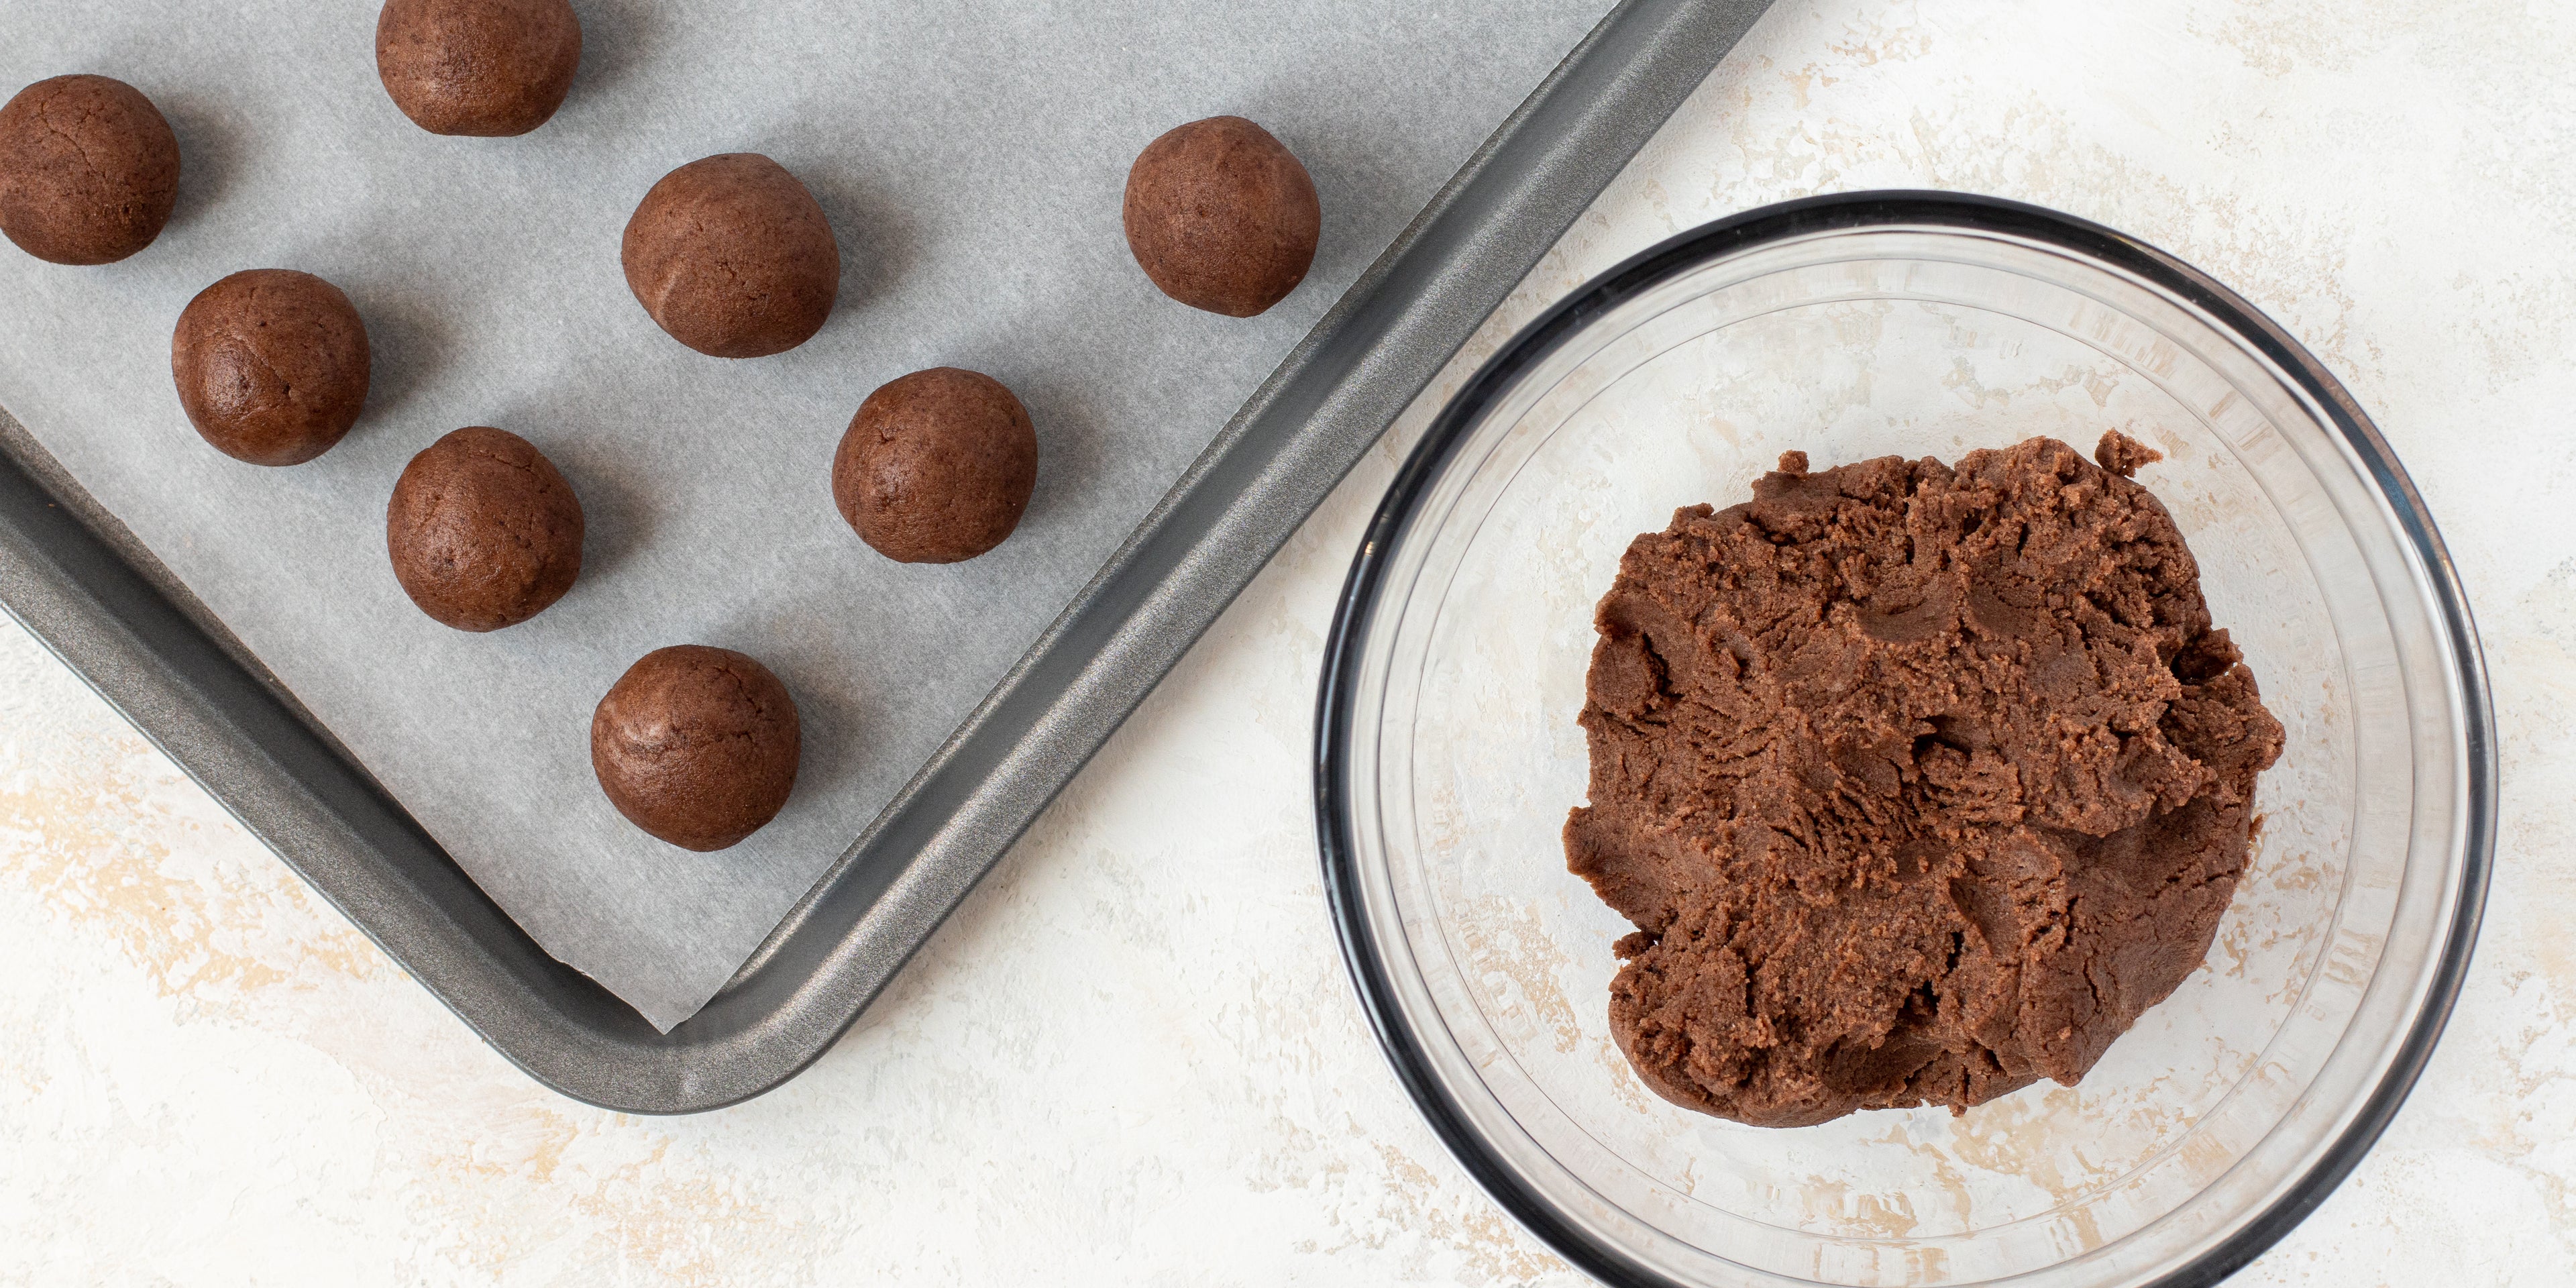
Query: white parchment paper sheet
{"type": "Point", "coordinates": [971, 157]}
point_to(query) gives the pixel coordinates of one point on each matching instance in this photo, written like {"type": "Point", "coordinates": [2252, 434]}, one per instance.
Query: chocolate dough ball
{"type": "Point", "coordinates": [88, 170]}
{"type": "Point", "coordinates": [732, 256]}
{"type": "Point", "coordinates": [937, 466]}
{"type": "Point", "coordinates": [271, 365]}
{"type": "Point", "coordinates": [696, 745]}
{"type": "Point", "coordinates": [483, 530]}
{"type": "Point", "coordinates": [1222, 216]}
{"type": "Point", "coordinates": [479, 67]}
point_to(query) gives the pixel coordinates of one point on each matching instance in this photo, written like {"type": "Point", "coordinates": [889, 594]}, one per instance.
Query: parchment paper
{"type": "Point", "coordinates": [971, 157]}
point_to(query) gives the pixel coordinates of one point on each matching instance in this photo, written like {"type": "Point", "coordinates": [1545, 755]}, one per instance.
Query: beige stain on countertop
{"type": "Point", "coordinates": [1497, 1252]}
{"type": "Point", "coordinates": [184, 931]}
{"type": "Point", "coordinates": [1506, 941]}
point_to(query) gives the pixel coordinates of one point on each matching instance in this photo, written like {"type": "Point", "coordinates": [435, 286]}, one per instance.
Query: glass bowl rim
{"type": "Point", "coordinates": [1344, 652]}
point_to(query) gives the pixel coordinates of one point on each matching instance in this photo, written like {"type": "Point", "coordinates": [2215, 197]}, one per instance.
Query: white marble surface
{"type": "Point", "coordinates": [1132, 1057]}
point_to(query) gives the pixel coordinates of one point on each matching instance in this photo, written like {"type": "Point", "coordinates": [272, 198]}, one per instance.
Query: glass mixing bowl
{"type": "Point", "coordinates": [1851, 327]}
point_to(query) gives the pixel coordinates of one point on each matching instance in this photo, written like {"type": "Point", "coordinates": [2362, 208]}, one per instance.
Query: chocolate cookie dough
{"type": "Point", "coordinates": [483, 531]}
{"type": "Point", "coordinates": [271, 365]}
{"type": "Point", "coordinates": [696, 745]}
{"type": "Point", "coordinates": [88, 170]}
{"type": "Point", "coordinates": [937, 466]}
{"type": "Point", "coordinates": [1222, 216]}
{"type": "Point", "coordinates": [731, 255]}
{"type": "Point", "coordinates": [477, 67]}
{"type": "Point", "coordinates": [1919, 784]}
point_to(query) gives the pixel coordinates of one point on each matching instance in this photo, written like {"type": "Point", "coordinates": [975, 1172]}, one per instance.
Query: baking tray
{"type": "Point", "coordinates": [73, 575]}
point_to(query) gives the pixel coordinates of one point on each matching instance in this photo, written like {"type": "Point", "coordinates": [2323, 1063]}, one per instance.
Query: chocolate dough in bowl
{"type": "Point", "coordinates": [1852, 329]}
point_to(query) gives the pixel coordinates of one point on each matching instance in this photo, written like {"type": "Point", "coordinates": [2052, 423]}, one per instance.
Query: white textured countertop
{"type": "Point", "coordinates": [1133, 1056]}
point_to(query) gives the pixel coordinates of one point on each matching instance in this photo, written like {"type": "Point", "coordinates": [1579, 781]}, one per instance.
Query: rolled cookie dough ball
{"type": "Point", "coordinates": [483, 530]}
{"type": "Point", "coordinates": [1222, 216]}
{"type": "Point", "coordinates": [88, 170]}
{"type": "Point", "coordinates": [937, 466]}
{"type": "Point", "coordinates": [731, 255]}
{"type": "Point", "coordinates": [477, 67]}
{"type": "Point", "coordinates": [271, 365]}
{"type": "Point", "coordinates": [696, 745]}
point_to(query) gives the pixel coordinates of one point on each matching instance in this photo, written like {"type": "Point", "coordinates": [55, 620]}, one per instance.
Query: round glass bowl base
{"type": "Point", "coordinates": [1912, 325]}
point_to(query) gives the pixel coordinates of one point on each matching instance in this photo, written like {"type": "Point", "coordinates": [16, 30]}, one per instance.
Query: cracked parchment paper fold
{"type": "Point", "coordinates": [971, 160]}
